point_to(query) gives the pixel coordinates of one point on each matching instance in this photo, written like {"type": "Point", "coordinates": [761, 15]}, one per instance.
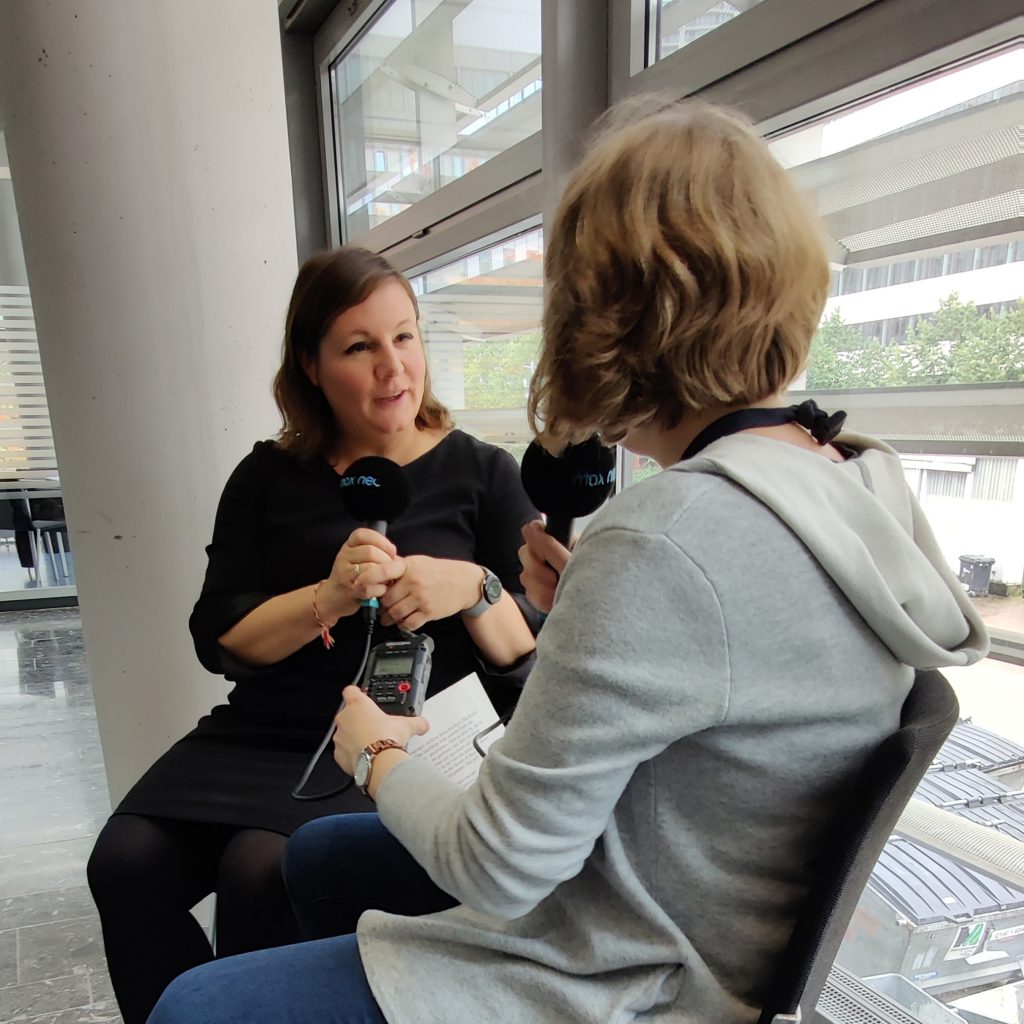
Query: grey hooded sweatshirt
{"type": "Point", "coordinates": [730, 640]}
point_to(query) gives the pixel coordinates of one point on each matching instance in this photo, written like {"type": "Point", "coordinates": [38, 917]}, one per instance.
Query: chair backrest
{"type": "Point", "coordinates": [863, 824]}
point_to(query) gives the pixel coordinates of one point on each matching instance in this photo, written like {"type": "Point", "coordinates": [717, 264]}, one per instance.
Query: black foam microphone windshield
{"type": "Point", "coordinates": [375, 491]}
{"type": "Point", "coordinates": [570, 485]}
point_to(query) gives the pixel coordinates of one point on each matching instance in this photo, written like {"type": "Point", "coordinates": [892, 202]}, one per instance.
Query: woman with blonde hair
{"type": "Point", "coordinates": [727, 643]}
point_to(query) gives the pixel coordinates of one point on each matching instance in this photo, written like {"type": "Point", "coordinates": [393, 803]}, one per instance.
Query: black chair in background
{"type": "Point", "coordinates": [16, 522]}
{"type": "Point", "coordinates": [49, 531]}
{"type": "Point", "coordinates": [868, 816]}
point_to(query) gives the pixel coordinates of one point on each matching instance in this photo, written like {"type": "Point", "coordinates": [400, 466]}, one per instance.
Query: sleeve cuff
{"type": "Point", "coordinates": [211, 619]}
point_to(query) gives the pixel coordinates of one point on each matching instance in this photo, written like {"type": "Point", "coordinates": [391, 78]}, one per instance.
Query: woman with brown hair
{"type": "Point", "coordinates": [288, 568]}
{"type": "Point", "coordinates": [729, 641]}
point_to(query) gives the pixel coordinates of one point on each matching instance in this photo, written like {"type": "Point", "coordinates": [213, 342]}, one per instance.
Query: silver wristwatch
{"type": "Point", "coordinates": [490, 593]}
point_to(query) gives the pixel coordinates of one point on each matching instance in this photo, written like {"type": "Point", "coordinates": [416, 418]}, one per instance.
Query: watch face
{"type": "Point", "coordinates": [362, 769]}
{"type": "Point", "coordinates": [492, 588]}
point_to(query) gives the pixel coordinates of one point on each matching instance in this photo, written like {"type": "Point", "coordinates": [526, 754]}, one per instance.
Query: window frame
{"type": "Point", "coordinates": [510, 423]}
{"type": "Point", "coordinates": [342, 30]}
{"type": "Point", "coordinates": [766, 29]}
{"type": "Point", "coordinates": [857, 50]}
{"type": "Point", "coordinates": [849, 53]}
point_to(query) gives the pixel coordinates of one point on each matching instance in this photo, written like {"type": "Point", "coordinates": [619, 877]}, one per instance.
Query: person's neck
{"type": "Point", "coordinates": [401, 447]}
{"type": "Point", "coordinates": [667, 446]}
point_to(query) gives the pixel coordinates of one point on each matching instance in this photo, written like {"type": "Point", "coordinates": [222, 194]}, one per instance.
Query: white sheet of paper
{"type": "Point", "coordinates": [456, 715]}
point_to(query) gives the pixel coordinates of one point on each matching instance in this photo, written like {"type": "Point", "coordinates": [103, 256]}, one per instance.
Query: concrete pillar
{"type": "Point", "coordinates": [149, 160]}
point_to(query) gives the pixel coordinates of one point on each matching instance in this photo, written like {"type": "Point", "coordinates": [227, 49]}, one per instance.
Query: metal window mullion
{"type": "Point", "coordinates": [478, 237]}
{"type": "Point", "coordinates": [341, 30]}
{"type": "Point", "coordinates": [865, 55]}
{"type": "Point", "coordinates": [574, 66]}
{"type": "Point", "coordinates": [509, 212]}
{"type": "Point", "coordinates": [344, 27]}
{"type": "Point", "coordinates": [763, 30]}
{"type": "Point", "coordinates": [842, 61]}
{"type": "Point", "coordinates": [330, 158]}
{"type": "Point", "coordinates": [516, 164]}
{"type": "Point", "coordinates": [627, 40]}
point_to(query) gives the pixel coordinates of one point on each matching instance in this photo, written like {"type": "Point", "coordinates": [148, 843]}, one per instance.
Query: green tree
{"type": "Point", "coordinates": [497, 371]}
{"type": "Point", "coordinates": [880, 366]}
{"type": "Point", "coordinates": [958, 344]}
{"type": "Point", "coordinates": [995, 352]}
{"type": "Point", "coordinates": [826, 368]}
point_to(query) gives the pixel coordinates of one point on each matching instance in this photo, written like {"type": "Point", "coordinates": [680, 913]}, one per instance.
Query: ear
{"type": "Point", "coordinates": [310, 370]}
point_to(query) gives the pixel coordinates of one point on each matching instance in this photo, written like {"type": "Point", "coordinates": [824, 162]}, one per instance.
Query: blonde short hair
{"type": "Point", "coordinates": [683, 269]}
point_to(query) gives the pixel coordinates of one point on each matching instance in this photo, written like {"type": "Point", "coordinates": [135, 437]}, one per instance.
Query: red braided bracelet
{"type": "Point", "coordinates": [325, 630]}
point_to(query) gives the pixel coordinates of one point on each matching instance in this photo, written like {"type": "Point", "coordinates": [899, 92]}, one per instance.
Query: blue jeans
{"type": "Point", "coordinates": [334, 868]}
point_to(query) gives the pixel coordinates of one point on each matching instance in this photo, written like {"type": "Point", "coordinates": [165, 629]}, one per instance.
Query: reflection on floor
{"type": "Point", "coordinates": [53, 800]}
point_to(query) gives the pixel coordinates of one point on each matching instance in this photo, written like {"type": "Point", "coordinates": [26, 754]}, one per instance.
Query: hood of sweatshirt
{"type": "Point", "coordinates": [861, 522]}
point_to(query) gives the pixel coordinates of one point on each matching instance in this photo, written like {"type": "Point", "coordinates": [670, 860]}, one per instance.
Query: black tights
{"type": "Point", "coordinates": [147, 873]}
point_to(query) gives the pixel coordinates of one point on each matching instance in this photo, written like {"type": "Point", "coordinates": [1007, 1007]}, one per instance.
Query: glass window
{"type": "Point", "coordinates": [995, 480]}
{"type": "Point", "coordinates": [975, 507]}
{"type": "Point", "coordinates": [35, 555]}
{"type": "Point", "coordinates": [943, 484]}
{"type": "Point", "coordinates": [932, 933]}
{"type": "Point", "coordinates": [915, 188]}
{"type": "Point", "coordinates": [635, 468]}
{"type": "Point", "coordinates": [433, 90]}
{"type": "Point", "coordinates": [676, 23]}
{"type": "Point", "coordinates": [481, 317]}
{"type": "Point", "coordinates": [930, 166]}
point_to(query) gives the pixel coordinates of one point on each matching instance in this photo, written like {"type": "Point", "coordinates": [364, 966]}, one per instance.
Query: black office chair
{"type": "Point", "coordinates": [866, 820]}
{"type": "Point", "coordinates": [50, 534]}
{"type": "Point", "coordinates": [16, 524]}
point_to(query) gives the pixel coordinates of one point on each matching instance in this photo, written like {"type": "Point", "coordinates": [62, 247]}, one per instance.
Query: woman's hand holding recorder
{"type": "Point", "coordinates": [361, 722]}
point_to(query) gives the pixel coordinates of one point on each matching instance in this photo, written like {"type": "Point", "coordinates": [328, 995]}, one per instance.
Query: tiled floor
{"type": "Point", "coordinates": [53, 799]}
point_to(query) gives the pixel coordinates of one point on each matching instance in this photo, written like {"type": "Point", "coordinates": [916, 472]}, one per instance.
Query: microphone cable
{"type": "Point", "coordinates": [371, 618]}
{"type": "Point", "coordinates": [504, 720]}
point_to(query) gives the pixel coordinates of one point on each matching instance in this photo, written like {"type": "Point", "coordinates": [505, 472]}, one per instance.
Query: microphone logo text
{"type": "Point", "coordinates": [584, 479]}
{"type": "Point", "coordinates": [360, 481]}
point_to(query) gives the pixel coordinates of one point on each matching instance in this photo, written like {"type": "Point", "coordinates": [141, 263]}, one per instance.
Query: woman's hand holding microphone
{"type": "Point", "coordinates": [359, 573]}
{"type": "Point", "coordinates": [544, 560]}
{"type": "Point", "coordinates": [412, 591]}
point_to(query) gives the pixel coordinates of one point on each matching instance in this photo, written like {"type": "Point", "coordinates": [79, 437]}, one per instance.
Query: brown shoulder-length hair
{"type": "Point", "coordinates": [683, 269]}
{"type": "Point", "coordinates": [329, 284]}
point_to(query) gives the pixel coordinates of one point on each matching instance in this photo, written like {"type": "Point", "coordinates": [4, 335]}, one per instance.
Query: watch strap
{"type": "Point", "coordinates": [374, 748]}
{"type": "Point", "coordinates": [371, 751]}
{"type": "Point", "coordinates": [485, 602]}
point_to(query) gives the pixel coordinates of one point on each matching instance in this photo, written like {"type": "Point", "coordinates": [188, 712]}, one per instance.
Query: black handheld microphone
{"type": "Point", "coordinates": [573, 484]}
{"type": "Point", "coordinates": [375, 491]}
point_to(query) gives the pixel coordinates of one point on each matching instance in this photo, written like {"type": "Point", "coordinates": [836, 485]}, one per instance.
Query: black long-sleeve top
{"type": "Point", "coordinates": [279, 526]}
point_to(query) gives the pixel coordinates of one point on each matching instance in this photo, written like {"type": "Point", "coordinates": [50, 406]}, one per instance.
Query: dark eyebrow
{"type": "Point", "coordinates": [361, 332]}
